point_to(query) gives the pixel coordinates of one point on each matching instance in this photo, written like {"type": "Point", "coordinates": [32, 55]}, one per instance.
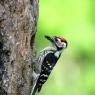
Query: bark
{"type": "Point", "coordinates": [18, 25]}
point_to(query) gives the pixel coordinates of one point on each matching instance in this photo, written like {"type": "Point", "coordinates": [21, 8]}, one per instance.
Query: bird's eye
{"type": "Point", "coordinates": [62, 41]}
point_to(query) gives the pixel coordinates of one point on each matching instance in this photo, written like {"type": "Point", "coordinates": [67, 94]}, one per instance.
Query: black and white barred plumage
{"type": "Point", "coordinates": [46, 60]}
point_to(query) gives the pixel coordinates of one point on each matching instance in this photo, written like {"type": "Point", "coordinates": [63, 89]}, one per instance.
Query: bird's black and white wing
{"type": "Point", "coordinates": [46, 68]}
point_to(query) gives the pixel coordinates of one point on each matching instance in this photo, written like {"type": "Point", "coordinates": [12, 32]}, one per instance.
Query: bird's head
{"type": "Point", "coordinates": [57, 41]}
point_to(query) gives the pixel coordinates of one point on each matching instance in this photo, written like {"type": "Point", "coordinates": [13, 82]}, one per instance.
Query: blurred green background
{"type": "Point", "coordinates": [74, 73]}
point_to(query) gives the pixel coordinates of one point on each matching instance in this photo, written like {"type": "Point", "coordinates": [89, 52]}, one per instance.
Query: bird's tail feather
{"type": "Point", "coordinates": [34, 89]}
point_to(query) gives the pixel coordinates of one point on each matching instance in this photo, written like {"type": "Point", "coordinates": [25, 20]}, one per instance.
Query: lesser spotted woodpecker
{"type": "Point", "coordinates": [47, 59]}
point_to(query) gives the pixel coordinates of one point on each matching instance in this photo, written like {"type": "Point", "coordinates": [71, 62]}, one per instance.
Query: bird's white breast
{"type": "Point", "coordinates": [57, 54]}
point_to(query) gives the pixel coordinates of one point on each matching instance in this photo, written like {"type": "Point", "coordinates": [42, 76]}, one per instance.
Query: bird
{"type": "Point", "coordinates": [46, 60]}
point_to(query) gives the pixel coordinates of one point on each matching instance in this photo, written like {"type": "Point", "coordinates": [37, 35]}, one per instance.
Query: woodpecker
{"type": "Point", "coordinates": [46, 60]}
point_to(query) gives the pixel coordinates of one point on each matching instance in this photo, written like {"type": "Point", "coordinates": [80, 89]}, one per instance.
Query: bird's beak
{"type": "Point", "coordinates": [49, 38]}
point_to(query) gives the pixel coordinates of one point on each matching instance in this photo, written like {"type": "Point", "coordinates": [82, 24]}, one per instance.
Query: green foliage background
{"type": "Point", "coordinates": [74, 73]}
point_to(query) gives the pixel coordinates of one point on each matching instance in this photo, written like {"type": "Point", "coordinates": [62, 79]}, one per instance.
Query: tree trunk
{"type": "Point", "coordinates": [18, 24]}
